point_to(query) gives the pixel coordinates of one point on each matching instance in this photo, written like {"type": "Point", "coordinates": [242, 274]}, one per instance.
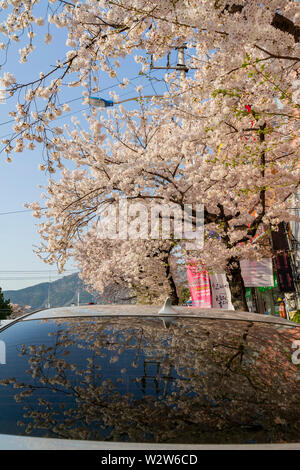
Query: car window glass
{"type": "Point", "coordinates": [148, 380]}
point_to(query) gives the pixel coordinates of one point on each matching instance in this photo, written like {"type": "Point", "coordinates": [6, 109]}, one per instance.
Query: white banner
{"type": "Point", "coordinates": [220, 291]}
{"type": "Point", "coordinates": [257, 273]}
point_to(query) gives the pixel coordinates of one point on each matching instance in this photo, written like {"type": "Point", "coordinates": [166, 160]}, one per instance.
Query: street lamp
{"type": "Point", "coordinates": [102, 103]}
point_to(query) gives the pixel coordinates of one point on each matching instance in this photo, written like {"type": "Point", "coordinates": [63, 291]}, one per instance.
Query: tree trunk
{"type": "Point", "coordinates": [236, 284]}
{"type": "Point", "coordinates": [173, 292]}
{"type": "Point", "coordinates": [172, 286]}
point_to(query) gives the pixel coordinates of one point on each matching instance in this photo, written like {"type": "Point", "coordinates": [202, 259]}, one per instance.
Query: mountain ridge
{"type": "Point", "coordinates": [64, 292]}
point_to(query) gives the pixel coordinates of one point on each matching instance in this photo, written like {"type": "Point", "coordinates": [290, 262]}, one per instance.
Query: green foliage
{"type": "Point", "coordinates": [184, 295]}
{"type": "Point", "coordinates": [5, 307]}
{"type": "Point", "coordinates": [224, 92]}
{"type": "Point", "coordinates": [296, 317]}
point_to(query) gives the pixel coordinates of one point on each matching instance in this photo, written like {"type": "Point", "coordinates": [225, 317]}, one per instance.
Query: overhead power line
{"type": "Point", "coordinates": [35, 271]}
{"type": "Point", "coordinates": [80, 98]}
{"type": "Point", "coordinates": [45, 279]}
{"type": "Point", "coordinates": [45, 208]}
{"type": "Point", "coordinates": [74, 112]}
{"type": "Point", "coordinates": [17, 212]}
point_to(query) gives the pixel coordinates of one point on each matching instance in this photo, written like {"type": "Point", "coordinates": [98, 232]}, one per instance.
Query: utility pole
{"type": "Point", "coordinates": [48, 302]}
{"type": "Point", "coordinates": [180, 64]}
{"type": "Point", "coordinates": [78, 292]}
{"type": "Point", "coordinates": [103, 103]}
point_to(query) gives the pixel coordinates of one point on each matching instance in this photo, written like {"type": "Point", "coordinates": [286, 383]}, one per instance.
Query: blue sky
{"type": "Point", "coordinates": [19, 180]}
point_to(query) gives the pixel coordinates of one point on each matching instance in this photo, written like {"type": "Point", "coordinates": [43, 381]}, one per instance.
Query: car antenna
{"type": "Point", "coordinates": [167, 308]}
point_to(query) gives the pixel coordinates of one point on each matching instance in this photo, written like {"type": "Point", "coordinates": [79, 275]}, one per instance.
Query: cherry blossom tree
{"type": "Point", "coordinates": [234, 162]}
{"type": "Point", "coordinates": [226, 137]}
{"type": "Point", "coordinates": [149, 268]}
{"type": "Point", "coordinates": [98, 33]}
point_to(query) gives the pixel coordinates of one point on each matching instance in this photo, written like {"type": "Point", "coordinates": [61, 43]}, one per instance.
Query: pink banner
{"type": "Point", "coordinates": [199, 287]}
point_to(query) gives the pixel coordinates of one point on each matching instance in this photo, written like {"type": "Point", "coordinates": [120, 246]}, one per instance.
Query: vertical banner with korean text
{"type": "Point", "coordinates": [220, 292]}
{"type": "Point", "coordinates": [199, 287]}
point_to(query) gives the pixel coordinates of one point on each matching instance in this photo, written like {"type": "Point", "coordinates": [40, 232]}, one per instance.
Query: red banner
{"type": "Point", "coordinates": [199, 287]}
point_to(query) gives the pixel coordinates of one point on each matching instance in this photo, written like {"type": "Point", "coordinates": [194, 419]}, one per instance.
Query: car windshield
{"type": "Point", "coordinates": [183, 380]}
